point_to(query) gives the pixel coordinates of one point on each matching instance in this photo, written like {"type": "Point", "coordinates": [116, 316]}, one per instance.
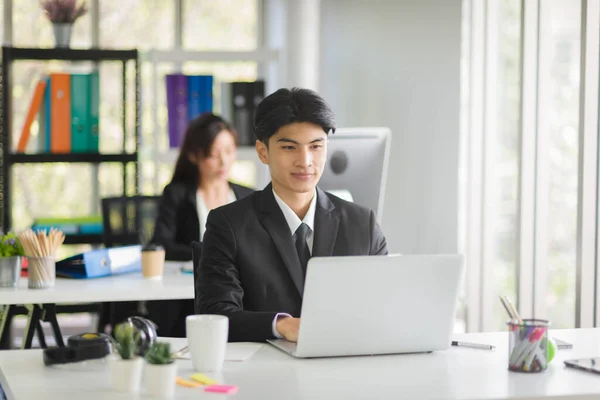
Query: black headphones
{"type": "Point", "coordinates": [147, 331]}
{"type": "Point", "coordinates": [91, 346]}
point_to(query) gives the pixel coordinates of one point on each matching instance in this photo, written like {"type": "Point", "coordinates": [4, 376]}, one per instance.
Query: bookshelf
{"type": "Point", "coordinates": [152, 154]}
{"type": "Point", "coordinates": [8, 158]}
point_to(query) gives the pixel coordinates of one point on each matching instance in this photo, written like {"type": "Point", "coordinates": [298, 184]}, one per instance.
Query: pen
{"type": "Point", "coordinates": [474, 345]}
{"type": "Point", "coordinates": [511, 307]}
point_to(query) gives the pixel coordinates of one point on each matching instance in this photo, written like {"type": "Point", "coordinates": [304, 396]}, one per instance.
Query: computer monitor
{"type": "Point", "coordinates": [357, 163]}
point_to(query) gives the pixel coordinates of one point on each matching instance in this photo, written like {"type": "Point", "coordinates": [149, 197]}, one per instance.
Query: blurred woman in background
{"type": "Point", "coordinates": [199, 184]}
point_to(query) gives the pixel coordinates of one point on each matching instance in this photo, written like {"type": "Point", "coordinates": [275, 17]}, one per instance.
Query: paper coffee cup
{"type": "Point", "coordinates": [153, 261]}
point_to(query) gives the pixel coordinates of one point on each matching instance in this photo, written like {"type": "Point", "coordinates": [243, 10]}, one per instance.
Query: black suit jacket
{"type": "Point", "coordinates": [177, 223]}
{"type": "Point", "coordinates": [249, 269]}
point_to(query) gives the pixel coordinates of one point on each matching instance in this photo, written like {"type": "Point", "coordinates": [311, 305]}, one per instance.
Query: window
{"type": "Point", "coordinates": [503, 172]}
{"type": "Point", "coordinates": [145, 25]}
{"type": "Point", "coordinates": [150, 25]}
{"type": "Point", "coordinates": [558, 137]}
{"type": "Point", "coordinates": [220, 25]}
{"type": "Point", "coordinates": [39, 28]}
{"type": "Point", "coordinates": [141, 24]}
{"type": "Point", "coordinates": [522, 160]}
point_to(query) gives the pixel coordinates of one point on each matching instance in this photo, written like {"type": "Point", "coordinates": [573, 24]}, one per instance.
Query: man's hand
{"type": "Point", "coordinates": [288, 327]}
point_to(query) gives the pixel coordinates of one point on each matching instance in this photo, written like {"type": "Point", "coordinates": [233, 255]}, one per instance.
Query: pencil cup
{"type": "Point", "coordinates": [42, 272]}
{"type": "Point", "coordinates": [528, 345]}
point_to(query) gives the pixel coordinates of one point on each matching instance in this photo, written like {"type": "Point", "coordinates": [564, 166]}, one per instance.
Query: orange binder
{"type": "Point", "coordinates": [60, 113]}
{"type": "Point", "coordinates": [34, 108]}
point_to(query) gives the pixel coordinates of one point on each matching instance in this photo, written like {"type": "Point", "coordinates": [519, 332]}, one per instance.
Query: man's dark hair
{"type": "Point", "coordinates": [287, 106]}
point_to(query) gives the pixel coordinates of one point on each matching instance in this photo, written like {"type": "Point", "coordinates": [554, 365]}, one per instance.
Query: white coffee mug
{"type": "Point", "coordinates": [207, 341]}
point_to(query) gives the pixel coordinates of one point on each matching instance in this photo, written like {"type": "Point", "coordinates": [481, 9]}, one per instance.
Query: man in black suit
{"type": "Point", "coordinates": [255, 250]}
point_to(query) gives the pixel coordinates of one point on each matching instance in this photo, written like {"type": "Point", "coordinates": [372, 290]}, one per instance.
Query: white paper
{"type": "Point", "coordinates": [241, 351]}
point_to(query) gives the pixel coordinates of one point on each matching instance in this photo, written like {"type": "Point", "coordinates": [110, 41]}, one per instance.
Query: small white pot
{"type": "Point", "coordinates": [126, 375]}
{"type": "Point", "coordinates": [160, 379]}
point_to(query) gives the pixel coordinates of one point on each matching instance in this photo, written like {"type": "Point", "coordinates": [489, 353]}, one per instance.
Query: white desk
{"type": "Point", "coordinates": [127, 287]}
{"type": "Point", "coordinates": [458, 373]}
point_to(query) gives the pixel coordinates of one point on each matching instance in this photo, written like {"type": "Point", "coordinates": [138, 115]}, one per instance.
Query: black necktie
{"type": "Point", "coordinates": [301, 245]}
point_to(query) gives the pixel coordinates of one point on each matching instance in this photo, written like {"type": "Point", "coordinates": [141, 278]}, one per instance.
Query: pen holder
{"type": "Point", "coordinates": [528, 345]}
{"type": "Point", "coordinates": [42, 272]}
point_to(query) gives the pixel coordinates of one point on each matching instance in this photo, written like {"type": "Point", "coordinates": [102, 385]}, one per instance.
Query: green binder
{"type": "Point", "coordinates": [80, 112]}
{"type": "Point", "coordinates": [94, 113]}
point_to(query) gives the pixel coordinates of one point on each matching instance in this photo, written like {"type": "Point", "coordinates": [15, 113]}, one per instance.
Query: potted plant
{"type": "Point", "coordinates": [63, 14]}
{"type": "Point", "coordinates": [160, 370]}
{"type": "Point", "coordinates": [126, 368]}
{"type": "Point", "coordinates": [11, 252]}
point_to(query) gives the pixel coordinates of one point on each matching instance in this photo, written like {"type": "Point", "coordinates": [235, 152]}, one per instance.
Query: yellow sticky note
{"type": "Point", "coordinates": [180, 381]}
{"type": "Point", "coordinates": [203, 379]}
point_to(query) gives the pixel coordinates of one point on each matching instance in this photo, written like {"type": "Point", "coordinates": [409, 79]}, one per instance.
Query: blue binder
{"type": "Point", "coordinates": [200, 95]}
{"type": "Point", "coordinates": [101, 262]}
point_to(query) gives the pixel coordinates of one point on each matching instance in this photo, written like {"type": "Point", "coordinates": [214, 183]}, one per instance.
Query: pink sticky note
{"type": "Point", "coordinates": [221, 389]}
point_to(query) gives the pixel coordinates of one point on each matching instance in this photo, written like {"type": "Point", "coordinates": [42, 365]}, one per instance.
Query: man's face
{"type": "Point", "coordinates": [296, 156]}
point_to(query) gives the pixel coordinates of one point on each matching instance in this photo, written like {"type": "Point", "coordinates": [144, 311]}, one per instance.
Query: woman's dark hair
{"type": "Point", "coordinates": [199, 138]}
{"type": "Point", "coordinates": [287, 106]}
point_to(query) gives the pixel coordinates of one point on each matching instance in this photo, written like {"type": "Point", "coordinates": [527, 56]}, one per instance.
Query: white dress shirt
{"type": "Point", "coordinates": [294, 222]}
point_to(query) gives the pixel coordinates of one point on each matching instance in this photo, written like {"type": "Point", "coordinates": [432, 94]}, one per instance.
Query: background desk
{"type": "Point", "coordinates": [127, 287]}
{"type": "Point", "coordinates": [458, 373]}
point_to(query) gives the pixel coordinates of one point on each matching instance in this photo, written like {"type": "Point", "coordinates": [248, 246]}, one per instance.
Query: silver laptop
{"type": "Point", "coordinates": [365, 305]}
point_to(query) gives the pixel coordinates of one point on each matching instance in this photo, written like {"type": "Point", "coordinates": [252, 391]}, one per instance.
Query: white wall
{"type": "Point", "coordinates": [396, 63]}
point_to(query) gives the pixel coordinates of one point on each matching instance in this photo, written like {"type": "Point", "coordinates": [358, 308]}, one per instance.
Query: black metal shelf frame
{"type": "Point", "coordinates": [92, 158]}
{"type": "Point", "coordinates": [8, 159]}
{"type": "Point", "coordinates": [84, 239]}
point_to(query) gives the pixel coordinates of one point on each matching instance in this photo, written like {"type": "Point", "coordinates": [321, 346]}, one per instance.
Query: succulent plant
{"type": "Point", "coordinates": [160, 354]}
{"type": "Point", "coordinates": [10, 245]}
{"type": "Point", "coordinates": [127, 340]}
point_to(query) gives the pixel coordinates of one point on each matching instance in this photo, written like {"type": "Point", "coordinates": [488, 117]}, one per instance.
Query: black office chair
{"type": "Point", "coordinates": [129, 220]}
{"type": "Point", "coordinates": [126, 221]}
{"type": "Point", "coordinates": [196, 254]}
